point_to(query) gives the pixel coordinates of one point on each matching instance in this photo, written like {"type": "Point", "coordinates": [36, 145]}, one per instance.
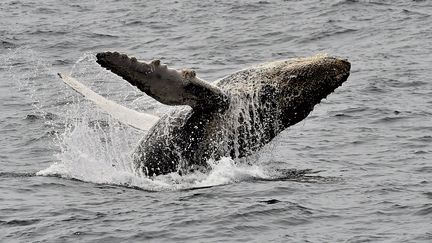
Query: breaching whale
{"type": "Point", "coordinates": [233, 117]}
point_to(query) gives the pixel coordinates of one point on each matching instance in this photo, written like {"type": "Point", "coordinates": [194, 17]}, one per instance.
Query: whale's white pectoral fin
{"type": "Point", "coordinates": [125, 115]}
{"type": "Point", "coordinates": [168, 86]}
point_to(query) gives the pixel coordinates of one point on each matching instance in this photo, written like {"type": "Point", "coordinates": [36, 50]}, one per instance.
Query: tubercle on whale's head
{"type": "Point", "coordinates": [303, 83]}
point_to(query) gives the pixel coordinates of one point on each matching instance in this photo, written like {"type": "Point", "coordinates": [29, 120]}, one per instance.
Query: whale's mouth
{"type": "Point", "coordinates": [345, 68]}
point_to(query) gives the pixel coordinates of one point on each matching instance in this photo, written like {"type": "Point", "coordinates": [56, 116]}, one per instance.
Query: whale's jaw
{"type": "Point", "coordinates": [305, 82]}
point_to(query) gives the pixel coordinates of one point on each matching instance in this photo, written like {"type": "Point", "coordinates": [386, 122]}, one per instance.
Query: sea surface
{"type": "Point", "coordinates": [358, 169]}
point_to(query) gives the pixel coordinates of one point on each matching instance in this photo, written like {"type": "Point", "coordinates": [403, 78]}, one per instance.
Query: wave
{"type": "Point", "coordinates": [16, 174]}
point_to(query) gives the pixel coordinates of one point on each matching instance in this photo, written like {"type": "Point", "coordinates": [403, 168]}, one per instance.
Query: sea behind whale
{"type": "Point", "coordinates": [357, 169]}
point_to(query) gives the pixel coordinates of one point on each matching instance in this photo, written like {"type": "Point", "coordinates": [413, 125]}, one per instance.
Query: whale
{"type": "Point", "coordinates": [234, 116]}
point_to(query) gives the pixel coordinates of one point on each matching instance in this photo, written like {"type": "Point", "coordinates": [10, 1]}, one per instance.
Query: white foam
{"type": "Point", "coordinates": [226, 170]}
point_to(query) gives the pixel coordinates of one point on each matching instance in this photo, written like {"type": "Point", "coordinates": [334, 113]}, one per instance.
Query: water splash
{"type": "Point", "coordinates": [99, 152]}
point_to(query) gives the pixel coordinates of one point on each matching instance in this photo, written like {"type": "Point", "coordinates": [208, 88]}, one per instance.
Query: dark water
{"type": "Point", "coordinates": [358, 169]}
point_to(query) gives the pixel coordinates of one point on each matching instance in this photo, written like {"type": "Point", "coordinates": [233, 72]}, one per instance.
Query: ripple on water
{"type": "Point", "coordinates": [20, 222]}
{"type": "Point", "coordinates": [7, 44]}
{"type": "Point", "coordinates": [426, 209]}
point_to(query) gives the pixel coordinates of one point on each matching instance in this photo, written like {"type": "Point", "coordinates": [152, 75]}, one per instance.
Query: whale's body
{"type": "Point", "coordinates": [234, 117]}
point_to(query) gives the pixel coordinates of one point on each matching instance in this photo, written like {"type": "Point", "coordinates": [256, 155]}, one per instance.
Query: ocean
{"type": "Point", "coordinates": [357, 169]}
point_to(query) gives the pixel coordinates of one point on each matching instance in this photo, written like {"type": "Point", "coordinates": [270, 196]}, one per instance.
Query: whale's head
{"type": "Point", "coordinates": [303, 83]}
